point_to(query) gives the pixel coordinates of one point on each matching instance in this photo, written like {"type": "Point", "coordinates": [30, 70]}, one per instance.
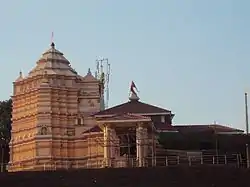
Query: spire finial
{"type": "Point", "coordinates": [52, 40]}
{"type": "Point", "coordinates": [20, 74]}
{"type": "Point", "coordinates": [89, 72]}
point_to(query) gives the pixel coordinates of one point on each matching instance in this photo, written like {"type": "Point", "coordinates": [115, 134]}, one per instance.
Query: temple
{"type": "Point", "coordinates": [59, 121]}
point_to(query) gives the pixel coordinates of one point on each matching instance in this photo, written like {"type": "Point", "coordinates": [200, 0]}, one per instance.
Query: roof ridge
{"type": "Point", "coordinates": [134, 107]}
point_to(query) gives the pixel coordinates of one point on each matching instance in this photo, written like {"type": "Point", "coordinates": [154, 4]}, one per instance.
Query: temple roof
{"type": "Point", "coordinates": [124, 117]}
{"type": "Point", "coordinates": [165, 127]}
{"type": "Point", "coordinates": [20, 77]}
{"type": "Point", "coordinates": [93, 129]}
{"type": "Point", "coordinates": [53, 62]}
{"type": "Point", "coordinates": [134, 107]}
{"type": "Point", "coordinates": [205, 128]}
{"type": "Point", "coordinates": [89, 77]}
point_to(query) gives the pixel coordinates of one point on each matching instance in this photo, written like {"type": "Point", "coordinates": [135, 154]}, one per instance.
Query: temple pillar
{"type": "Point", "coordinates": [145, 142]}
{"type": "Point", "coordinates": [139, 144]}
{"type": "Point", "coordinates": [107, 145]}
{"type": "Point", "coordinates": [113, 143]}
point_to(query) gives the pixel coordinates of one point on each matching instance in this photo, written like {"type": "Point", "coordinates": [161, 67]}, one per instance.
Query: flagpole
{"type": "Point", "coordinates": [246, 113]}
{"type": "Point", "coordinates": [247, 146]}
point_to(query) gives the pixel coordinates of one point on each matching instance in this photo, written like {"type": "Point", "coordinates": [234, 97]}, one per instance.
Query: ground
{"type": "Point", "coordinates": [203, 176]}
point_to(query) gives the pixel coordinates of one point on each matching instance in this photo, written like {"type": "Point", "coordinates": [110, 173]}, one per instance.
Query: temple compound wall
{"type": "Point", "coordinates": [52, 107]}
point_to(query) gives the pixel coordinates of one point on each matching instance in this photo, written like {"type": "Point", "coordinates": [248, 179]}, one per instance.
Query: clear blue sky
{"type": "Point", "coordinates": [189, 56]}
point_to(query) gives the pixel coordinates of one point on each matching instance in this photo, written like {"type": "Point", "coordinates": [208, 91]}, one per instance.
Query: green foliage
{"type": "Point", "coordinates": [5, 120]}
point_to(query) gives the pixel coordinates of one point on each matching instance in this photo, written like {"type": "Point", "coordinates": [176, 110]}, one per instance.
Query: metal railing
{"type": "Point", "coordinates": [233, 160]}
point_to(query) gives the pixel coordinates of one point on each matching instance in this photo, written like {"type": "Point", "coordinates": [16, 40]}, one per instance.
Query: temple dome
{"type": "Point", "coordinates": [54, 63]}
{"type": "Point", "coordinates": [89, 77]}
{"type": "Point", "coordinates": [20, 77]}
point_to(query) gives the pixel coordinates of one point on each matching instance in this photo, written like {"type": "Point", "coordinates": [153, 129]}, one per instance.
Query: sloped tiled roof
{"type": "Point", "coordinates": [133, 107]}
{"type": "Point", "coordinates": [164, 127]}
{"type": "Point", "coordinates": [93, 129]}
{"type": "Point", "coordinates": [124, 117]}
{"type": "Point", "coordinates": [202, 128]}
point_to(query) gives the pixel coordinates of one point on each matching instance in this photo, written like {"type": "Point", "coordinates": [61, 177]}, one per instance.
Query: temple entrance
{"type": "Point", "coordinates": [128, 145]}
{"type": "Point", "coordinates": [127, 139]}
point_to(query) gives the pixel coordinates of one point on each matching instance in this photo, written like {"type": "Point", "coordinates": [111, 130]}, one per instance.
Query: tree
{"type": "Point", "coordinates": [5, 131]}
{"type": "Point", "coordinates": [5, 120]}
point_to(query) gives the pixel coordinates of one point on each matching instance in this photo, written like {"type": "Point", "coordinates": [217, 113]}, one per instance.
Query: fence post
{"type": "Point", "coordinates": [225, 158]}
{"type": "Point", "coordinates": [189, 161]}
{"type": "Point", "coordinates": [247, 155]}
{"type": "Point", "coordinates": [213, 160]}
{"type": "Point", "coordinates": [166, 160]}
{"type": "Point", "coordinates": [238, 162]}
{"type": "Point", "coordinates": [44, 166]}
{"type": "Point", "coordinates": [201, 158]}
{"type": "Point", "coordinates": [178, 159]}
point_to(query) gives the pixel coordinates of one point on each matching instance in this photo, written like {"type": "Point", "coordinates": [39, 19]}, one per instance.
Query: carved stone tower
{"type": "Point", "coordinates": [52, 106]}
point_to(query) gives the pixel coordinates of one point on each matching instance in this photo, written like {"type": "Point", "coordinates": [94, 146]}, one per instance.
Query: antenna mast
{"type": "Point", "coordinates": [103, 75]}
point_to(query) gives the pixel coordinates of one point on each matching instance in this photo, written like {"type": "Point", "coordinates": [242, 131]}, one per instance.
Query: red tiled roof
{"type": "Point", "coordinates": [134, 107]}
{"type": "Point", "coordinates": [164, 127]}
{"type": "Point", "coordinates": [124, 116]}
{"type": "Point", "coordinates": [202, 128]}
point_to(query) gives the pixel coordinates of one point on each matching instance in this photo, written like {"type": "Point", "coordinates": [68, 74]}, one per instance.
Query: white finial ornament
{"type": "Point", "coordinates": [20, 74]}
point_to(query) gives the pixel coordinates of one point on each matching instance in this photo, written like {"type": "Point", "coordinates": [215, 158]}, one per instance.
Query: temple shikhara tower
{"type": "Point", "coordinates": [52, 106]}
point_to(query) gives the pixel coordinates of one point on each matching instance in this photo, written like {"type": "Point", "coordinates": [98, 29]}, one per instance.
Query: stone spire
{"type": "Point", "coordinates": [54, 62]}
{"type": "Point", "coordinates": [89, 72]}
{"type": "Point", "coordinates": [20, 74]}
{"type": "Point", "coordinates": [20, 77]}
{"type": "Point", "coordinates": [89, 77]}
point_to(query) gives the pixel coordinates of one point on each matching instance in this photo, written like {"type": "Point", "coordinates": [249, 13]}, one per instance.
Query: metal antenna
{"type": "Point", "coordinates": [103, 76]}
{"type": "Point", "coordinates": [107, 83]}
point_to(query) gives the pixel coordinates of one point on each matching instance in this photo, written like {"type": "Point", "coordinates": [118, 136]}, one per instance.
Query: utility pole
{"type": "Point", "coordinates": [247, 130]}
{"type": "Point", "coordinates": [246, 110]}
